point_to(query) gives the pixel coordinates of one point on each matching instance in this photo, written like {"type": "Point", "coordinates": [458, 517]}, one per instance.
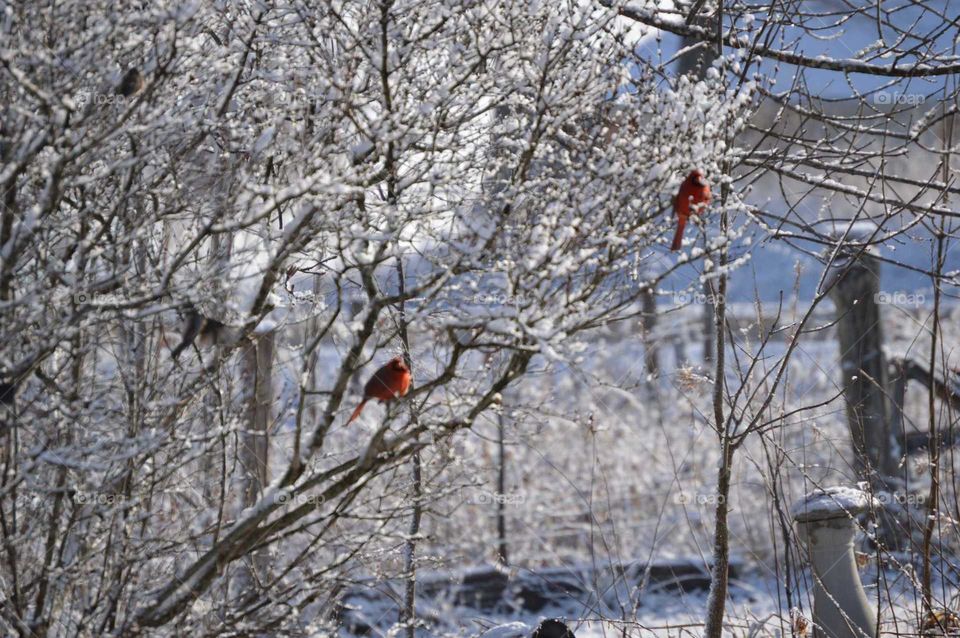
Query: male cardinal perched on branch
{"type": "Point", "coordinates": [387, 383]}
{"type": "Point", "coordinates": [693, 196]}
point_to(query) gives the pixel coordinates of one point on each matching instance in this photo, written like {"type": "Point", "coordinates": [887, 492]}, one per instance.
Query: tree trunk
{"type": "Point", "coordinates": [503, 557]}
{"type": "Point", "coordinates": [717, 598]}
{"type": "Point", "coordinates": [408, 613]}
{"type": "Point", "coordinates": [719, 570]}
{"type": "Point", "coordinates": [709, 310]}
{"type": "Point", "coordinates": [651, 354]}
{"type": "Point", "coordinates": [254, 449]}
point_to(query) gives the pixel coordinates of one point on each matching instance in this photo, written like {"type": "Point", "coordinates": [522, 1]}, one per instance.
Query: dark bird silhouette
{"type": "Point", "coordinates": [388, 383]}
{"type": "Point", "coordinates": [132, 82]}
{"type": "Point", "coordinates": [548, 628]}
{"type": "Point", "coordinates": [195, 325]}
{"type": "Point", "coordinates": [7, 393]}
{"type": "Point", "coordinates": [553, 628]}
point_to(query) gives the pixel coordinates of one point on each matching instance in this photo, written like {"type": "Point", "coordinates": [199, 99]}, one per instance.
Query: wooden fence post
{"type": "Point", "coordinates": [862, 363]}
{"type": "Point", "coordinates": [871, 414]}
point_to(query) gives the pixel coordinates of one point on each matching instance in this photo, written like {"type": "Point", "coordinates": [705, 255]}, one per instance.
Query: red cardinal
{"type": "Point", "coordinates": [387, 383]}
{"type": "Point", "coordinates": [693, 196]}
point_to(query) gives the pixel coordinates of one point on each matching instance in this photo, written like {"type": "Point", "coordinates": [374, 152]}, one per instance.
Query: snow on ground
{"type": "Point", "coordinates": [757, 606]}
{"type": "Point", "coordinates": [659, 614]}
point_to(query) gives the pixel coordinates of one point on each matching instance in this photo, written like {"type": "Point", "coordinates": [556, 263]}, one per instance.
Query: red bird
{"type": "Point", "coordinates": [387, 383]}
{"type": "Point", "coordinates": [693, 197]}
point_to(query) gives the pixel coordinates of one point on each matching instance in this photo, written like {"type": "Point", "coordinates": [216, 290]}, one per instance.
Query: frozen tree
{"type": "Point", "coordinates": [254, 190]}
{"type": "Point", "coordinates": [218, 219]}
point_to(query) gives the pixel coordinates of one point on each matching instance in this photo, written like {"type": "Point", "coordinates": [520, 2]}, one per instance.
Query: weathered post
{"type": "Point", "coordinates": [856, 293]}
{"type": "Point", "coordinates": [854, 281]}
{"type": "Point", "coordinates": [825, 521]}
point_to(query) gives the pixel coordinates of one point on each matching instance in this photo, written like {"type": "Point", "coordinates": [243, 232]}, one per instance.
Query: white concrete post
{"type": "Point", "coordinates": [826, 526]}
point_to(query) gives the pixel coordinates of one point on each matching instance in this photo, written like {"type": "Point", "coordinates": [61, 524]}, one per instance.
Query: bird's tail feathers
{"type": "Point", "coordinates": [678, 236]}
{"type": "Point", "coordinates": [175, 353]}
{"type": "Point", "coordinates": [356, 412]}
